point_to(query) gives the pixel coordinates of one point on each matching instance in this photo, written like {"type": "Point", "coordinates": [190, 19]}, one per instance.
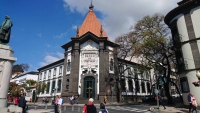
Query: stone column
{"type": "Point", "coordinates": [6, 64]}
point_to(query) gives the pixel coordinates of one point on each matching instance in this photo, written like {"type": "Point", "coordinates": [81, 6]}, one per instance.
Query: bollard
{"type": "Point", "coordinates": [65, 107]}
{"type": "Point", "coordinates": [35, 107]}
{"type": "Point", "coordinates": [78, 109]}
{"type": "Point", "coordinates": [46, 106]}
{"type": "Point", "coordinates": [72, 108]}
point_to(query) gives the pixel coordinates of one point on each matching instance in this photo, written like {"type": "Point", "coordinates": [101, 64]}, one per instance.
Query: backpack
{"type": "Point", "coordinates": [63, 101]}
{"type": "Point", "coordinates": [104, 111]}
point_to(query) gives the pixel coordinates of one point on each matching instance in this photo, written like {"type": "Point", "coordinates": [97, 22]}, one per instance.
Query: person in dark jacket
{"type": "Point", "coordinates": [22, 103]}
{"type": "Point", "coordinates": [89, 108]}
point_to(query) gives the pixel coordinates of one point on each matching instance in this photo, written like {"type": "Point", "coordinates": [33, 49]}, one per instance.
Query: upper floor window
{"type": "Point", "coordinates": [45, 74]}
{"type": "Point", "coordinates": [60, 70]}
{"type": "Point", "coordinates": [68, 65]}
{"type": "Point", "coordinates": [129, 71]}
{"type": "Point", "coordinates": [40, 76]}
{"type": "Point", "coordinates": [121, 69]}
{"type": "Point", "coordinates": [54, 72]}
{"type": "Point", "coordinates": [111, 65]}
{"type": "Point", "coordinates": [49, 75]}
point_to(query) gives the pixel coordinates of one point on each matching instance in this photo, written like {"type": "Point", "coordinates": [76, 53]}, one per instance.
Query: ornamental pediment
{"type": "Point", "coordinates": [89, 45]}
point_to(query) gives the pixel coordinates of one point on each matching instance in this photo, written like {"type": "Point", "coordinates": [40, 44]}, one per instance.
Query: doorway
{"type": "Point", "coordinates": [89, 87]}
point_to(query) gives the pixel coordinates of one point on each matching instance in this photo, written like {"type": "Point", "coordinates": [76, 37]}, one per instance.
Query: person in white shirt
{"type": "Point", "coordinates": [60, 104]}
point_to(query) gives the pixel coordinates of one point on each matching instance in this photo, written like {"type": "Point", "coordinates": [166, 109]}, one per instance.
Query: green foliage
{"type": "Point", "coordinates": [12, 84]}
{"type": "Point", "coordinates": [41, 86]}
{"type": "Point", "coordinates": [29, 84]}
{"type": "Point", "coordinates": [15, 89]}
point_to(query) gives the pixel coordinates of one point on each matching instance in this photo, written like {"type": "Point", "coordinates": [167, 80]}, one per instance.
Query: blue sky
{"type": "Point", "coordinates": [41, 27]}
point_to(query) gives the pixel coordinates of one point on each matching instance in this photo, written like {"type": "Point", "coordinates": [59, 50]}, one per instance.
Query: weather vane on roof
{"type": "Point", "coordinates": [91, 6]}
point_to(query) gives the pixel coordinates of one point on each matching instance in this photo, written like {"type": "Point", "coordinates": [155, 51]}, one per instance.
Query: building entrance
{"type": "Point", "coordinates": [89, 87]}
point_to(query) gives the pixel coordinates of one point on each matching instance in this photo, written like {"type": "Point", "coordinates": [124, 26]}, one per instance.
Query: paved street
{"type": "Point", "coordinates": [78, 109]}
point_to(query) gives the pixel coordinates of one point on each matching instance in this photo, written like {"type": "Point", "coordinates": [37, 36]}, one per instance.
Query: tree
{"type": "Point", "coordinates": [150, 43]}
{"type": "Point", "coordinates": [20, 68]}
{"type": "Point", "coordinates": [123, 52]}
{"type": "Point", "coordinates": [16, 91]}
{"type": "Point", "coordinates": [40, 87]}
{"type": "Point", "coordinates": [12, 84]}
{"type": "Point", "coordinates": [29, 84]}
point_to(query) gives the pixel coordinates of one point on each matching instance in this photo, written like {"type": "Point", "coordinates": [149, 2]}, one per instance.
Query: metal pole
{"type": "Point", "coordinates": [112, 97]}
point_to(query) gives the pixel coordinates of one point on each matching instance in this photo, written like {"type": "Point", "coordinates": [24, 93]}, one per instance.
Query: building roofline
{"type": "Point", "coordinates": [184, 7]}
{"type": "Point", "coordinates": [52, 64]}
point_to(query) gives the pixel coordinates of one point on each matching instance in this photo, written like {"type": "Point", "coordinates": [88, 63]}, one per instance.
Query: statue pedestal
{"type": "Point", "coordinates": [6, 64]}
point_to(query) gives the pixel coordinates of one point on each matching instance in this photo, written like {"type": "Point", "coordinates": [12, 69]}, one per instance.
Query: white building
{"type": "Point", "coordinates": [22, 78]}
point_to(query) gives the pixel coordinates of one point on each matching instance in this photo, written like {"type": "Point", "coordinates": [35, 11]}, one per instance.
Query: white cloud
{"type": "Point", "coordinates": [61, 35]}
{"type": "Point", "coordinates": [51, 57]}
{"type": "Point", "coordinates": [39, 35]}
{"type": "Point", "coordinates": [48, 45]}
{"type": "Point", "coordinates": [118, 15]}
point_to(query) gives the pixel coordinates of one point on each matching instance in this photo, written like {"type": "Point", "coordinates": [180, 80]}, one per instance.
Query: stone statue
{"type": "Point", "coordinates": [5, 30]}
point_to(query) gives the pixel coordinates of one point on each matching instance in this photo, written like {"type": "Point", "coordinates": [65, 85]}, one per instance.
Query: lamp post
{"type": "Point", "coordinates": [112, 89]}
{"type": "Point", "coordinates": [157, 88]}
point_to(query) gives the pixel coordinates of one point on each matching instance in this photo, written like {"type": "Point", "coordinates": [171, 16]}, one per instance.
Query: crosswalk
{"type": "Point", "coordinates": [125, 108]}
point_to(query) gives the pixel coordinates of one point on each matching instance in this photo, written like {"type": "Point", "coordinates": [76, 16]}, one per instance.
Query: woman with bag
{"type": "Point", "coordinates": [194, 103]}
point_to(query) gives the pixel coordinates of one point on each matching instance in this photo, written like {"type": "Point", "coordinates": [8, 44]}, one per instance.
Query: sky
{"type": "Point", "coordinates": [41, 27]}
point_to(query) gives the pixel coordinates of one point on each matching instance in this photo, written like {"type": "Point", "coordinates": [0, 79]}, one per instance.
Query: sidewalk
{"type": "Point", "coordinates": [41, 111]}
{"type": "Point", "coordinates": [169, 109]}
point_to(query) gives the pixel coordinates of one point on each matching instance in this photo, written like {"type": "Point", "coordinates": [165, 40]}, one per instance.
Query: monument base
{"type": "Point", "coordinates": [6, 64]}
{"type": "Point", "coordinates": [4, 110]}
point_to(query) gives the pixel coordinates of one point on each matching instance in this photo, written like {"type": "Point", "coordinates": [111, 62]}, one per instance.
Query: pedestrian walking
{"type": "Point", "coordinates": [56, 104]}
{"type": "Point", "coordinates": [16, 100]}
{"type": "Point", "coordinates": [60, 102]}
{"type": "Point", "coordinates": [194, 103]}
{"type": "Point", "coordinates": [89, 107]}
{"type": "Point", "coordinates": [105, 99]}
{"type": "Point", "coordinates": [103, 109]}
{"type": "Point", "coordinates": [43, 99]}
{"type": "Point", "coordinates": [22, 103]}
{"type": "Point", "coordinates": [189, 100]}
{"type": "Point", "coordinates": [160, 101]}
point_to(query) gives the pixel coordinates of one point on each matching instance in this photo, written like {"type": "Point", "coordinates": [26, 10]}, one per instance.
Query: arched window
{"type": "Point", "coordinates": [137, 87]}
{"type": "Point", "coordinates": [148, 87]}
{"type": "Point", "coordinates": [130, 84]}
{"type": "Point", "coordinates": [143, 87]}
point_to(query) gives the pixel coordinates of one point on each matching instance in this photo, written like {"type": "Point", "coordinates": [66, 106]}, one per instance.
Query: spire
{"type": "Point", "coordinates": [101, 31]}
{"type": "Point", "coordinates": [77, 32]}
{"type": "Point", "coordinates": [91, 6]}
{"type": "Point", "coordinates": [91, 24]}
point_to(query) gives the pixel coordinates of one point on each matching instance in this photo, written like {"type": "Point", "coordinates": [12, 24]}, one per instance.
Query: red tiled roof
{"type": "Point", "coordinates": [92, 24]}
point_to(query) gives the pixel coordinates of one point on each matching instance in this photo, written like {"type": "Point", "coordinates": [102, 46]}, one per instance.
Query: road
{"type": "Point", "coordinates": [78, 109]}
